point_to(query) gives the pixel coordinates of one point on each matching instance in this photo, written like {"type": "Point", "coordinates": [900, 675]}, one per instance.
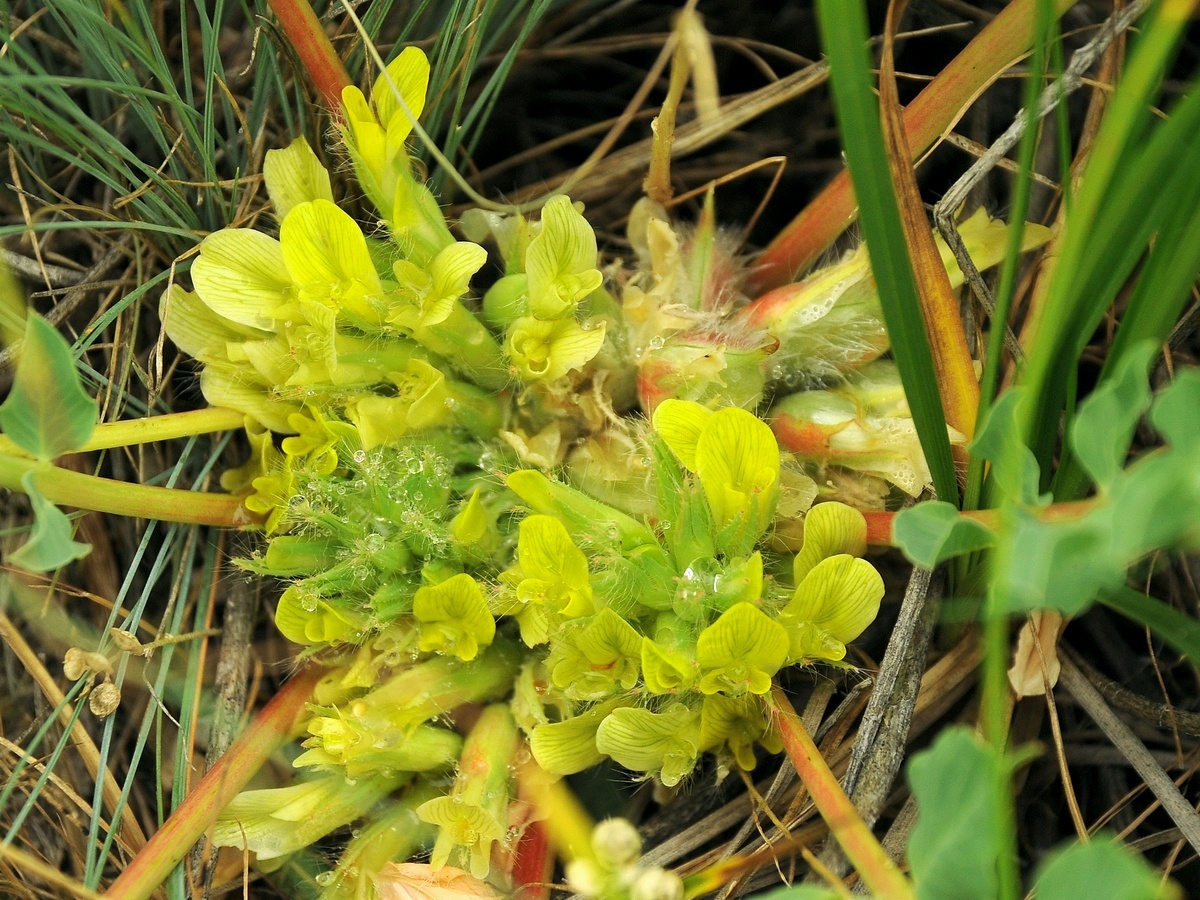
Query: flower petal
{"type": "Point", "coordinates": [666, 743]}
{"type": "Point", "coordinates": [830, 529]}
{"type": "Point", "coordinates": [737, 459]}
{"type": "Point", "coordinates": [839, 595]}
{"type": "Point", "coordinates": [679, 423]}
{"type": "Point", "coordinates": [741, 651]}
{"type": "Point", "coordinates": [454, 617]}
{"type": "Point", "coordinates": [407, 74]}
{"type": "Point", "coordinates": [240, 275]}
{"type": "Point", "coordinates": [453, 267]}
{"type": "Point", "coordinates": [323, 247]}
{"type": "Point", "coordinates": [567, 747]}
{"type": "Point", "coordinates": [294, 175]}
{"type": "Point", "coordinates": [561, 261]}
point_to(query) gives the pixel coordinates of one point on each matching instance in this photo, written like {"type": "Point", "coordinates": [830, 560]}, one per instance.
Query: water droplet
{"type": "Point", "coordinates": [657, 343]}
{"type": "Point", "coordinates": [360, 456]}
{"type": "Point", "coordinates": [450, 403]}
{"type": "Point", "coordinates": [325, 878]}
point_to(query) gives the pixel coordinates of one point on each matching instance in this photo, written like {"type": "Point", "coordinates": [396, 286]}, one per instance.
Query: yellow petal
{"type": "Point", "coordinates": [840, 595]}
{"type": "Point", "coordinates": [324, 247]}
{"type": "Point", "coordinates": [408, 75]}
{"type": "Point", "coordinates": [240, 275]}
{"type": "Point", "coordinates": [679, 423]}
{"type": "Point", "coordinates": [830, 529]}
{"type": "Point", "coordinates": [293, 176]}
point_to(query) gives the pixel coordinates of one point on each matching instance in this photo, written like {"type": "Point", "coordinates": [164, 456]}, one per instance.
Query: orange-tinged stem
{"type": "Point", "coordinates": [866, 854]}
{"type": "Point", "coordinates": [316, 53]}
{"type": "Point", "coordinates": [270, 730]}
{"type": "Point", "coordinates": [879, 524]}
{"type": "Point", "coordinates": [929, 115]}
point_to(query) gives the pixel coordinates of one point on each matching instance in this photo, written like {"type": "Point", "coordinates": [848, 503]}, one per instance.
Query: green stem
{"type": "Point", "coordinates": [312, 45]}
{"type": "Point", "coordinates": [269, 730]}
{"type": "Point", "coordinates": [867, 855]}
{"type": "Point", "coordinates": [152, 428]}
{"type": "Point", "coordinates": [67, 488]}
{"type": "Point", "coordinates": [995, 729]}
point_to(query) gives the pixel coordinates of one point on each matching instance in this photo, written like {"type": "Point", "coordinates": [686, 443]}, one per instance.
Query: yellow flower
{"type": "Point", "coordinates": [543, 351]}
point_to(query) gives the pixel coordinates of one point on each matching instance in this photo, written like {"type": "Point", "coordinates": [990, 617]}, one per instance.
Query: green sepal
{"type": "Point", "coordinates": [586, 520]}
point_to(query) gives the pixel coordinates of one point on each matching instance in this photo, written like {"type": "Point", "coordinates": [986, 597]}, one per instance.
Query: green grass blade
{"type": "Point", "coordinates": [1122, 196]}
{"type": "Point", "coordinates": [844, 36]}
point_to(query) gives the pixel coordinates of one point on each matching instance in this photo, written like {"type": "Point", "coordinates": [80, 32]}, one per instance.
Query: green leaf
{"type": "Point", "coordinates": [998, 440]}
{"type": "Point", "coordinates": [932, 532]}
{"type": "Point", "coordinates": [1174, 412]}
{"type": "Point", "coordinates": [47, 413]}
{"type": "Point", "coordinates": [1101, 868]}
{"type": "Point", "coordinates": [50, 545]}
{"type": "Point", "coordinates": [954, 847]}
{"type": "Point", "coordinates": [801, 892]}
{"type": "Point", "coordinates": [1104, 425]}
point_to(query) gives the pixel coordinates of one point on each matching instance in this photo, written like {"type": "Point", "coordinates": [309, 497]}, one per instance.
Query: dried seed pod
{"type": "Point", "coordinates": [76, 662]}
{"type": "Point", "coordinates": [127, 642]}
{"type": "Point", "coordinates": [104, 699]}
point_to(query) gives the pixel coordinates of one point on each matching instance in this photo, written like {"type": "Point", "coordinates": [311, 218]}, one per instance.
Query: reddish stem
{"type": "Point", "coordinates": [268, 731]}
{"type": "Point", "coordinates": [532, 869]}
{"type": "Point", "coordinates": [934, 110]}
{"type": "Point", "coordinates": [865, 853]}
{"type": "Point", "coordinates": [879, 524]}
{"type": "Point", "coordinates": [325, 69]}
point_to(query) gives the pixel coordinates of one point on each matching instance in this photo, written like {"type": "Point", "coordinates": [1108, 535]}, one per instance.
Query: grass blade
{"type": "Point", "coordinates": [844, 35]}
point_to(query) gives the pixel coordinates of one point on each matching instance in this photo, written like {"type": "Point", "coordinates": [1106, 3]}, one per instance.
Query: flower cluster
{"type": "Point", "coordinates": [662, 636]}
{"type": "Point", "coordinates": [475, 525]}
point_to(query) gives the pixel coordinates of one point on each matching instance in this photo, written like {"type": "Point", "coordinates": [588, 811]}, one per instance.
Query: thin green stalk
{"type": "Point", "coordinates": [139, 501]}
{"type": "Point", "coordinates": [131, 432]}
{"type": "Point", "coordinates": [1008, 271]}
{"type": "Point", "coordinates": [995, 730]}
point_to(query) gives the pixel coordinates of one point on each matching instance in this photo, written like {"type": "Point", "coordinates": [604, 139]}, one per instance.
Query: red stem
{"type": "Point", "coordinates": [933, 111]}
{"type": "Point", "coordinates": [325, 69]}
{"type": "Point", "coordinates": [532, 869]}
{"type": "Point", "coordinates": [268, 731]}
